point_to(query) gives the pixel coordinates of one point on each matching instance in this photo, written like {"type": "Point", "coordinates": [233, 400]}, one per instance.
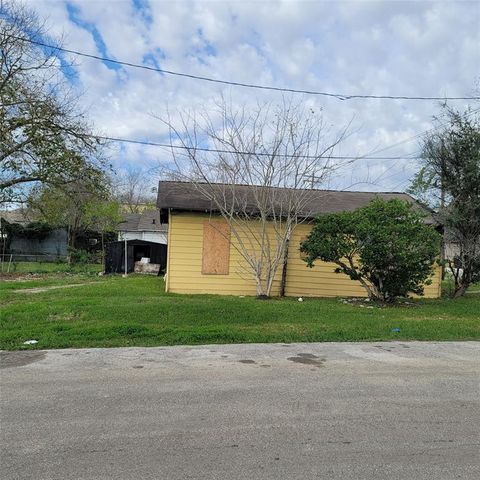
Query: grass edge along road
{"type": "Point", "coordinates": [111, 311]}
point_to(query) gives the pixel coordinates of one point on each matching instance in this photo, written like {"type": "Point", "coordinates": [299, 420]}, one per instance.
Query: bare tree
{"type": "Point", "coordinates": [259, 179]}
{"type": "Point", "coordinates": [133, 189]}
{"type": "Point", "coordinates": [43, 135]}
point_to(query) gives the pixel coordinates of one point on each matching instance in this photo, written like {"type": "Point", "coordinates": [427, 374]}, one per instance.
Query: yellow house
{"type": "Point", "coordinates": [204, 257]}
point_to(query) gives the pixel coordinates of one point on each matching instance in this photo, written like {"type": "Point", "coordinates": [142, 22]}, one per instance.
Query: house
{"type": "Point", "coordinates": [143, 226]}
{"type": "Point", "coordinates": [451, 245]}
{"type": "Point", "coordinates": [455, 247]}
{"type": "Point", "coordinates": [199, 260]}
{"type": "Point", "coordinates": [26, 237]}
{"type": "Point", "coordinates": [27, 243]}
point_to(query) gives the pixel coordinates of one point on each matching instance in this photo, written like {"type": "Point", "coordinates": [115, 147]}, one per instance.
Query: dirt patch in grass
{"type": "Point", "coordinates": [367, 303]}
{"type": "Point", "coordinates": [53, 287]}
{"type": "Point", "coordinates": [68, 316]}
{"type": "Point", "coordinates": [20, 277]}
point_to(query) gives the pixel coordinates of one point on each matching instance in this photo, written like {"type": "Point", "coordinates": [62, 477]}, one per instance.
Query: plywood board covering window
{"type": "Point", "coordinates": [216, 247]}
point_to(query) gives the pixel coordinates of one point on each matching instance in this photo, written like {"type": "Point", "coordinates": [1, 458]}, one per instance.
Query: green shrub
{"type": "Point", "coordinates": [386, 246]}
{"type": "Point", "coordinates": [78, 257]}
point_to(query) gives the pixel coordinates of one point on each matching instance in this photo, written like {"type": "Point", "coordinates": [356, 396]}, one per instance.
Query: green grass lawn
{"type": "Point", "coordinates": [112, 311]}
{"type": "Point", "coordinates": [474, 288]}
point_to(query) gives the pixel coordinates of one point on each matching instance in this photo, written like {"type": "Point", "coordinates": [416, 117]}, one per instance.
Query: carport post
{"type": "Point", "coordinates": [126, 271]}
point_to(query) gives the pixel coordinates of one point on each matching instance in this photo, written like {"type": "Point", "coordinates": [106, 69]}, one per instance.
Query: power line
{"type": "Point", "coordinates": [411, 156]}
{"type": "Point", "coordinates": [260, 154]}
{"type": "Point", "coordinates": [338, 96]}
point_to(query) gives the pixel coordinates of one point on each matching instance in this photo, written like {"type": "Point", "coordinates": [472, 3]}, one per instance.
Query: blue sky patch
{"type": "Point", "coordinates": [74, 16]}
{"type": "Point", "coordinates": [143, 9]}
{"type": "Point", "coordinates": [151, 60]}
{"type": "Point", "coordinates": [207, 47]}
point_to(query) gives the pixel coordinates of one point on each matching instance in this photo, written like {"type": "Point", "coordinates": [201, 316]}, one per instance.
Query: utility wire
{"type": "Point", "coordinates": [411, 156]}
{"type": "Point", "coordinates": [370, 156]}
{"type": "Point", "coordinates": [259, 154]}
{"type": "Point", "coordinates": [338, 96]}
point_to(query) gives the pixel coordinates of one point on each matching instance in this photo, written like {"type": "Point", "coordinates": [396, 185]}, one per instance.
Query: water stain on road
{"type": "Point", "coordinates": [249, 362]}
{"type": "Point", "coordinates": [382, 347]}
{"type": "Point", "coordinates": [308, 359]}
{"type": "Point", "coordinates": [19, 359]}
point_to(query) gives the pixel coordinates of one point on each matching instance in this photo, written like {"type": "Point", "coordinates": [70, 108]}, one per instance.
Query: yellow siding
{"type": "Point", "coordinates": [322, 281]}
{"type": "Point", "coordinates": [184, 267]}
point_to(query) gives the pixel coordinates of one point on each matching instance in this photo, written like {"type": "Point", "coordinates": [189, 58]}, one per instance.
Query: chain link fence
{"type": "Point", "coordinates": [12, 262]}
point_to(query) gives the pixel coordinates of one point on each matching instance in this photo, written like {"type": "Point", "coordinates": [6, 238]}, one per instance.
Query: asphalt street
{"type": "Point", "coordinates": [296, 411]}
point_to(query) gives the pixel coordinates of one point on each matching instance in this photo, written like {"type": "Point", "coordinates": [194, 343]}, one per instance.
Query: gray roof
{"type": "Point", "coordinates": [190, 197]}
{"type": "Point", "coordinates": [130, 222]}
{"type": "Point", "coordinates": [19, 215]}
{"type": "Point", "coordinates": [146, 221]}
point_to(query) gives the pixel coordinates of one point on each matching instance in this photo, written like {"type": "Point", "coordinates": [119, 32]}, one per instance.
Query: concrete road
{"type": "Point", "coordinates": [298, 411]}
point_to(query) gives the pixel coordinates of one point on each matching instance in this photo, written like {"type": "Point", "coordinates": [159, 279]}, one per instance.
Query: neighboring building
{"type": "Point", "coordinates": [143, 226]}
{"type": "Point", "coordinates": [33, 240]}
{"type": "Point", "coordinates": [26, 246]}
{"type": "Point", "coordinates": [452, 246]}
{"type": "Point", "coordinates": [193, 243]}
{"type": "Point", "coordinates": [19, 215]}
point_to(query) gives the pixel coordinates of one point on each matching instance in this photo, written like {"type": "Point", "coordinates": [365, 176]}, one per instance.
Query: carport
{"type": "Point", "coordinates": [136, 250]}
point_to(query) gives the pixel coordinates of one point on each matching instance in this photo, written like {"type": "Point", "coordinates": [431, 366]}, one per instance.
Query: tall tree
{"type": "Point", "coordinates": [133, 189]}
{"type": "Point", "coordinates": [276, 151]}
{"type": "Point", "coordinates": [103, 216]}
{"type": "Point", "coordinates": [450, 181]}
{"type": "Point", "coordinates": [78, 206]}
{"type": "Point", "coordinates": [44, 137]}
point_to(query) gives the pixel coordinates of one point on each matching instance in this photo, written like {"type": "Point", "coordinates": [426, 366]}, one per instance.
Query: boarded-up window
{"type": "Point", "coordinates": [216, 248]}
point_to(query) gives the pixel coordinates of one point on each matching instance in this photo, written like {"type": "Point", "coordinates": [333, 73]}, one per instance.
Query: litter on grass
{"type": "Point", "coordinates": [30, 342]}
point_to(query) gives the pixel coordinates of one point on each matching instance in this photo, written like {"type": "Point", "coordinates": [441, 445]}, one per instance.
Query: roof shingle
{"type": "Point", "coordinates": [188, 196]}
{"type": "Point", "coordinates": [146, 221]}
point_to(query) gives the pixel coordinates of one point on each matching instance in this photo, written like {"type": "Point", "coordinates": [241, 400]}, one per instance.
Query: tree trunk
{"type": "Point", "coordinates": [460, 288]}
{"type": "Point", "coordinates": [261, 289]}
{"type": "Point", "coordinates": [462, 281]}
{"type": "Point", "coordinates": [73, 238]}
{"type": "Point", "coordinates": [103, 249]}
{"type": "Point", "coordinates": [283, 282]}
{"type": "Point", "coordinates": [258, 287]}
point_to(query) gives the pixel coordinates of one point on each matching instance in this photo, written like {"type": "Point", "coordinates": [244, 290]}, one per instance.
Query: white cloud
{"type": "Point", "coordinates": [385, 47]}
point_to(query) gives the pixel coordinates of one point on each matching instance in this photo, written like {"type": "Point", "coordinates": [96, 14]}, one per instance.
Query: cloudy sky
{"type": "Point", "coordinates": [360, 47]}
